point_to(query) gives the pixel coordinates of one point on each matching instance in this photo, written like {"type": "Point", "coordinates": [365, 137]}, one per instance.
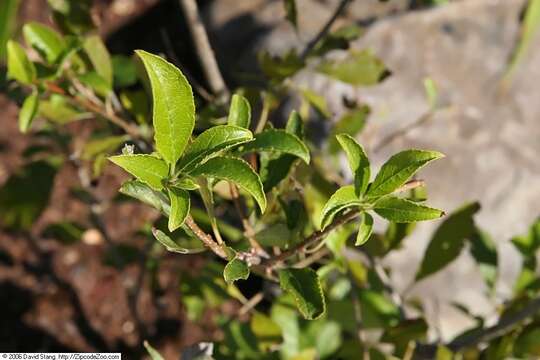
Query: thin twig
{"type": "Point", "coordinates": [207, 240]}
{"type": "Point", "coordinates": [251, 303]}
{"type": "Point", "coordinates": [325, 29]}
{"type": "Point", "coordinates": [203, 48]}
{"type": "Point", "coordinates": [410, 185]}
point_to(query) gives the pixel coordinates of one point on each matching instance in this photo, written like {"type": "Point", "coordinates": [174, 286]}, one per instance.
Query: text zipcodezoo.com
{"type": "Point", "coordinates": [60, 356]}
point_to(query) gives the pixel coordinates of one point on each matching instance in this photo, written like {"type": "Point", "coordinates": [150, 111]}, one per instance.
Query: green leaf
{"type": "Point", "coordinates": [404, 211]}
{"type": "Point", "coordinates": [172, 245]}
{"type": "Point", "coordinates": [28, 111]}
{"type": "Point", "coordinates": [448, 240]}
{"type": "Point", "coordinates": [529, 243]}
{"type": "Point", "coordinates": [277, 140]}
{"type": "Point", "coordinates": [65, 232]}
{"type": "Point", "coordinates": [361, 68]}
{"type": "Point", "coordinates": [212, 143]}
{"type": "Point", "coordinates": [124, 71]}
{"type": "Point", "coordinates": [19, 66]}
{"type": "Point", "coordinates": [8, 19]}
{"type": "Point", "coordinates": [99, 57]}
{"type": "Point", "coordinates": [154, 354]}
{"type": "Point", "coordinates": [398, 169]}
{"type": "Point", "coordinates": [378, 311]}
{"type": "Point", "coordinates": [239, 112]}
{"type": "Point", "coordinates": [291, 12]}
{"type": "Point", "coordinates": [344, 198]}
{"type": "Point", "coordinates": [57, 109]}
{"type": "Point", "coordinates": [339, 39]}
{"type": "Point", "coordinates": [72, 16]}
{"type": "Point", "coordinates": [173, 106]}
{"type": "Point", "coordinates": [96, 82]}
{"type": "Point", "coordinates": [351, 124]}
{"type": "Point", "coordinates": [144, 193]}
{"type": "Point", "coordinates": [235, 270]}
{"type": "Point", "coordinates": [102, 145]}
{"type": "Point", "coordinates": [304, 286]}
{"type": "Point", "coordinates": [358, 161]}
{"type": "Point", "coordinates": [136, 102]}
{"type": "Point", "coordinates": [295, 125]}
{"type": "Point", "coordinates": [236, 171]}
{"type": "Point", "coordinates": [280, 67]}
{"type": "Point", "coordinates": [484, 252]}
{"type": "Point", "coordinates": [187, 183]}
{"type": "Point", "coordinates": [147, 168]}
{"type": "Point", "coordinates": [46, 41]}
{"type": "Point", "coordinates": [365, 229]}
{"type": "Point", "coordinates": [179, 207]}
{"type": "Point", "coordinates": [317, 101]}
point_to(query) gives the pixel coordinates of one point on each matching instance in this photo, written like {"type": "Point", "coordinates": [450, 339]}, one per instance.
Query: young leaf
{"type": "Point", "coordinates": [235, 269]}
{"type": "Point", "coordinates": [358, 161]}
{"type": "Point", "coordinates": [239, 112]}
{"type": "Point", "coordinates": [304, 286]}
{"type": "Point", "coordinates": [279, 141]}
{"type": "Point", "coordinates": [19, 66]}
{"type": "Point", "coordinates": [47, 42]}
{"type": "Point", "coordinates": [171, 245]}
{"type": "Point", "coordinates": [236, 171]}
{"type": "Point", "coordinates": [398, 169]}
{"type": "Point", "coordinates": [144, 193]}
{"type": "Point", "coordinates": [212, 143]}
{"type": "Point", "coordinates": [154, 354]}
{"type": "Point", "coordinates": [404, 211]}
{"type": "Point", "coordinates": [174, 107]}
{"type": "Point", "coordinates": [28, 111]}
{"type": "Point", "coordinates": [365, 229]}
{"type": "Point", "coordinates": [448, 240]}
{"type": "Point", "coordinates": [99, 57]}
{"type": "Point", "coordinates": [345, 197]}
{"type": "Point", "coordinates": [147, 168]}
{"type": "Point", "coordinates": [179, 207]}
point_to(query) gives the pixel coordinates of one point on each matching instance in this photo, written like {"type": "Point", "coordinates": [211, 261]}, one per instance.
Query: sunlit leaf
{"type": "Point", "coordinates": [239, 112]}
{"type": "Point", "coordinates": [342, 199]}
{"type": "Point", "coordinates": [28, 111]}
{"type": "Point", "coordinates": [403, 211]}
{"type": "Point", "coordinates": [358, 162]}
{"type": "Point", "coordinates": [147, 168]}
{"type": "Point", "coordinates": [364, 230]}
{"type": "Point", "coordinates": [47, 42]}
{"type": "Point", "coordinates": [276, 140]}
{"type": "Point", "coordinates": [20, 67]}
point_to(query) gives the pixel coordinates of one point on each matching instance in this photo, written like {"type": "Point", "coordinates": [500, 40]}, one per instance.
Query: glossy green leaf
{"type": "Point", "coordinates": [344, 198]}
{"type": "Point", "coordinates": [179, 207]}
{"type": "Point", "coordinates": [304, 286]}
{"type": "Point", "coordinates": [19, 66]}
{"type": "Point", "coordinates": [291, 13]}
{"type": "Point", "coordinates": [404, 211]}
{"type": "Point", "coordinates": [8, 19]}
{"type": "Point", "coordinates": [358, 162]}
{"type": "Point", "coordinates": [144, 193]}
{"type": "Point", "coordinates": [99, 57]}
{"type": "Point", "coordinates": [47, 42]}
{"type": "Point", "coordinates": [365, 229]}
{"type": "Point", "coordinates": [147, 168]}
{"type": "Point", "coordinates": [172, 245]}
{"type": "Point", "coordinates": [235, 269]}
{"type": "Point", "coordinates": [154, 354]}
{"type": "Point", "coordinates": [484, 252]}
{"type": "Point", "coordinates": [448, 240]}
{"type": "Point", "coordinates": [277, 140]}
{"type": "Point", "coordinates": [359, 68]}
{"type": "Point", "coordinates": [212, 143]}
{"type": "Point", "coordinates": [236, 171]}
{"type": "Point", "coordinates": [398, 169]}
{"type": "Point", "coordinates": [173, 106]}
{"type": "Point", "coordinates": [239, 112]}
{"type": "Point", "coordinates": [28, 111]}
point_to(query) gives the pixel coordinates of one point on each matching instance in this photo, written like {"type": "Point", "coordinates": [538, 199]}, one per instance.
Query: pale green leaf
{"type": "Point", "coordinates": [28, 111]}
{"type": "Point", "coordinates": [365, 229]}
{"type": "Point", "coordinates": [304, 286]}
{"type": "Point", "coordinates": [57, 109]}
{"type": "Point", "coordinates": [186, 183]}
{"type": "Point", "coordinates": [277, 140]}
{"type": "Point", "coordinates": [172, 245]}
{"type": "Point", "coordinates": [236, 171]}
{"type": "Point", "coordinates": [103, 145]}
{"type": "Point", "coordinates": [359, 68]}
{"type": "Point", "coordinates": [47, 42]}
{"type": "Point", "coordinates": [173, 106]}
{"type": "Point", "coordinates": [154, 354]}
{"type": "Point", "coordinates": [404, 211]}
{"type": "Point", "coordinates": [358, 162]}
{"type": "Point", "coordinates": [398, 169]}
{"type": "Point", "coordinates": [99, 57]}
{"type": "Point", "coordinates": [239, 112]}
{"type": "Point", "coordinates": [144, 193]}
{"type": "Point", "coordinates": [179, 207]}
{"type": "Point", "coordinates": [448, 240]}
{"type": "Point", "coordinates": [235, 269]}
{"type": "Point", "coordinates": [19, 66]}
{"type": "Point", "coordinates": [212, 143]}
{"type": "Point", "coordinates": [317, 101]}
{"type": "Point", "coordinates": [147, 168]}
{"type": "Point", "coordinates": [344, 198]}
{"type": "Point", "coordinates": [96, 82]}
{"type": "Point", "coordinates": [432, 93]}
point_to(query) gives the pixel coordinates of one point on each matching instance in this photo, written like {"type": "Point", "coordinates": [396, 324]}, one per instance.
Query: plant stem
{"type": "Point", "coordinates": [207, 240]}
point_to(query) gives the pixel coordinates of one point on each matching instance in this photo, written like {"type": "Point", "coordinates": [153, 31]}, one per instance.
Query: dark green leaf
{"type": "Point", "coordinates": [235, 270]}
{"type": "Point", "coordinates": [65, 232]}
{"type": "Point", "coordinates": [179, 207]}
{"type": "Point", "coordinates": [484, 252]}
{"type": "Point", "coordinates": [290, 11]}
{"type": "Point", "coordinates": [398, 169]}
{"type": "Point", "coordinates": [147, 168]}
{"type": "Point", "coordinates": [239, 112]}
{"type": "Point", "coordinates": [529, 243]}
{"type": "Point", "coordinates": [136, 102]}
{"type": "Point", "coordinates": [304, 286]}
{"type": "Point", "coordinates": [20, 67]}
{"type": "Point", "coordinates": [358, 162]}
{"type": "Point", "coordinates": [124, 71]}
{"type": "Point", "coordinates": [28, 111]}
{"type": "Point", "coordinates": [173, 109]}
{"type": "Point", "coordinates": [342, 199]}
{"type": "Point", "coordinates": [360, 68]}
{"type": "Point", "coordinates": [448, 240]}
{"type": "Point", "coordinates": [365, 229]}
{"type": "Point", "coordinates": [147, 195]}
{"type": "Point", "coordinates": [276, 140]}
{"type": "Point", "coordinates": [404, 211]}
{"type": "Point", "coordinates": [236, 171]}
{"type": "Point", "coordinates": [212, 143]}
{"type": "Point", "coordinates": [72, 16]}
{"type": "Point", "coordinates": [47, 42]}
{"type": "Point", "coordinates": [295, 125]}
